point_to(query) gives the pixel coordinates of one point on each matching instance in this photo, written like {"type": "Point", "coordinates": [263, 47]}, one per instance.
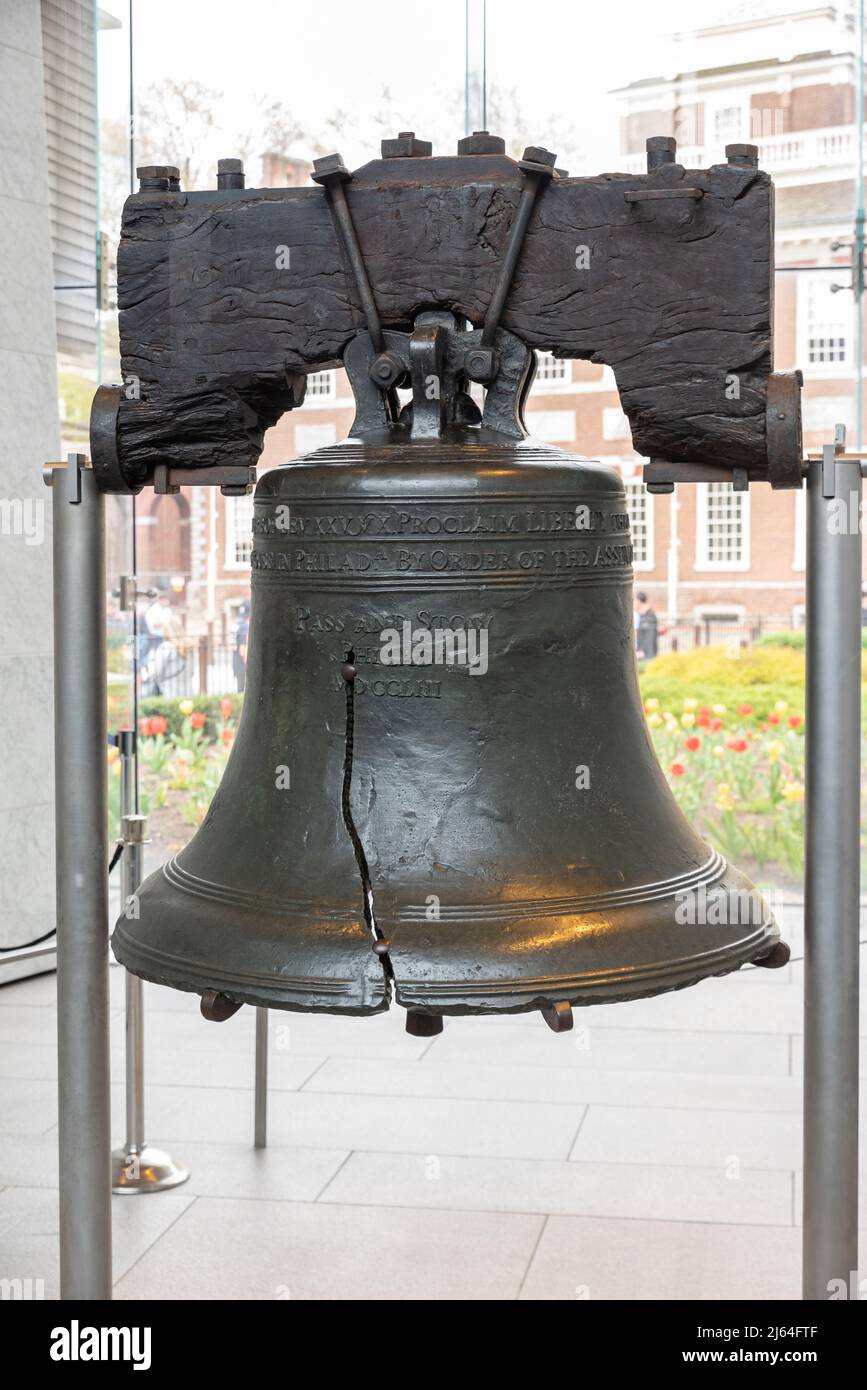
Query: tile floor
{"type": "Point", "coordinates": [653, 1153]}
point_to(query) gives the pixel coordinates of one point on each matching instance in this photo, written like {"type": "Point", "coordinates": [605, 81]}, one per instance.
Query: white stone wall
{"type": "Point", "coordinates": [29, 435]}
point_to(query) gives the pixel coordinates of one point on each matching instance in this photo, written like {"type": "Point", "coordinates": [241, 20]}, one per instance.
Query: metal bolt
{"type": "Point", "coordinates": [481, 142]}
{"type": "Point", "coordinates": [661, 149]}
{"type": "Point", "coordinates": [157, 178]}
{"type": "Point", "coordinates": [230, 173]}
{"type": "Point", "coordinates": [406, 147]}
{"type": "Point", "coordinates": [480, 364]}
{"type": "Point", "coordinates": [743, 156]}
{"type": "Point", "coordinates": [386, 370]}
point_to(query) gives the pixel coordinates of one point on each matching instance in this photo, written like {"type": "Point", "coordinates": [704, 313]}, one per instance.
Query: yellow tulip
{"type": "Point", "coordinates": [690, 704]}
{"type": "Point", "coordinates": [651, 704]}
{"type": "Point", "coordinates": [655, 720]}
{"type": "Point", "coordinates": [774, 751]}
{"type": "Point", "coordinates": [672, 726]}
{"type": "Point", "coordinates": [719, 709]}
{"type": "Point", "coordinates": [781, 706]}
{"type": "Point", "coordinates": [718, 751]}
{"type": "Point", "coordinates": [186, 707]}
{"type": "Point", "coordinates": [687, 720]}
{"type": "Point", "coordinates": [793, 792]}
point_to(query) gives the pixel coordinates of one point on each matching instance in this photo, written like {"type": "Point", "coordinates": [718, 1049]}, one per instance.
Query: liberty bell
{"type": "Point", "coordinates": [443, 793]}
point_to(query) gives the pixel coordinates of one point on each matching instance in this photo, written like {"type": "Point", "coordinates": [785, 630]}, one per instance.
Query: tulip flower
{"type": "Point", "coordinates": [186, 706]}
{"type": "Point", "coordinates": [677, 769]}
{"type": "Point", "coordinates": [226, 708]}
{"type": "Point", "coordinates": [693, 743]}
{"type": "Point", "coordinates": [197, 721]}
{"type": "Point", "coordinates": [745, 710]}
{"type": "Point", "coordinates": [794, 721]}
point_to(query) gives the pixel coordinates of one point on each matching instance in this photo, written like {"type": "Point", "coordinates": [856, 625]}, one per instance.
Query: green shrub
{"type": "Point", "coordinates": [169, 706]}
{"type": "Point", "coordinates": [730, 676]}
{"type": "Point", "coordinates": [119, 712]}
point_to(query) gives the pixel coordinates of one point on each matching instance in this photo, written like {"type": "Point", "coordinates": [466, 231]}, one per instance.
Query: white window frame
{"type": "Point", "coordinates": [552, 372]}
{"type": "Point", "coordinates": [703, 563]}
{"type": "Point", "coordinates": [715, 612]}
{"type": "Point", "coordinates": [806, 283]}
{"type": "Point", "coordinates": [233, 530]}
{"type": "Point", "coordinates": [637, 487]}
{"type": "Point", "coordinates": [321, 387]}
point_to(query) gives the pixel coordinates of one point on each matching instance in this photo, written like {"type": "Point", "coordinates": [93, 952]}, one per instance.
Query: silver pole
{"type": "Point", "coordinates": [260, 1124]}
{"type": "Point", "coordinates": [137, 1166]}
{"type": "Point", "coordinates": [832, 874]}
{"type": "Point", "coordinates": [81, 830]}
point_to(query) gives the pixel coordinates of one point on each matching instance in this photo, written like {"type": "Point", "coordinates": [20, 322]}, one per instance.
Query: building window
{"type": "Point", "coordinates": [727, 125]}
{"type": "Point", "coordinates": [308, 437]}
{"type": "Point", "coordinates": [722, 528]}
{"type": "Point", "coordinates": [552, 426]}
{"type": "Point", "coordinates": [823, 413]}
{"type": "Point", "coordinates": [639, 504]}
{"type": "Point", "coordinates": [825, 322]}
{"type": "Point", "coordinates": [239, 531]}
{"type": "Point", "coordinates": [321, 386]}
{"type": "Point", "coordinates": [615, 425]}
{"type": "Point", "coordinates": [550, 368]}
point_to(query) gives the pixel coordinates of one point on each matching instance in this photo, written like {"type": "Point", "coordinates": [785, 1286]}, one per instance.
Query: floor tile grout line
{"type": "Point", "coordinates": [193, 1199]}
{"type": "Point", "coordinates": [583, 1116]}
{"type": "Point", "coordinates": [338, 1170]}
{"type": "Point", "coordinates": [532, 1256]}
{"type": "Point", "coordinates": [297, 1089]}
{"type": "Point", "coordinates": [595, 1216]}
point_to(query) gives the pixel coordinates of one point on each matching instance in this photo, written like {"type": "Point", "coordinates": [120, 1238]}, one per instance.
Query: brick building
{"type": "Point", "coordinates": [779, 75]}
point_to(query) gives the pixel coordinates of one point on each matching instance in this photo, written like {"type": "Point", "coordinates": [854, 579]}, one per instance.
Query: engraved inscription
{"type": "Point", "coordinates": [468, 522]}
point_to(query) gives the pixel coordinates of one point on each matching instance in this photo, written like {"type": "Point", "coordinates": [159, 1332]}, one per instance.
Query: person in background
{"type": "Point", "coordinates": [646, 629]}
{"type": "Point", "coordinates": [165, 670]}
{"type": "Point", "coordinates": [239, 655]}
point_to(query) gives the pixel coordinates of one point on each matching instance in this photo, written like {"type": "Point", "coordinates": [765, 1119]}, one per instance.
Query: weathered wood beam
{"type": "Point", "coordinates": [228, 297]}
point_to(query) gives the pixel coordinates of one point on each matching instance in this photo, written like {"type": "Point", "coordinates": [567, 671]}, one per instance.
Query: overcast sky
{"type": "Point", "coordinates": [562, 56]}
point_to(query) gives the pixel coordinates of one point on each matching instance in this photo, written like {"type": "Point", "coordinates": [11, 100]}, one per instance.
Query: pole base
{"type": "Point", "coordinates": [145, 1170]}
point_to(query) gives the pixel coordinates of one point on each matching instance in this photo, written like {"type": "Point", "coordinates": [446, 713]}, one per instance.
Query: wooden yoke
{"type": "Point", "coordinates": [229, 297]}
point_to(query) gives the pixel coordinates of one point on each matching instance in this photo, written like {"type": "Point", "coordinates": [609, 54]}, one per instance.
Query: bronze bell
{"type": "Point", "coordinates": [443, 789]}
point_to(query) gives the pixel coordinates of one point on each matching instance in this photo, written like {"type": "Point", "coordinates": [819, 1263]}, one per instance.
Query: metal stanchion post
{"type": "Point", "coordinates": [832, 887]}
{"type": "Point", "coordinates": [137, 1166]}
{"type": "Point", "coordinates": [81, 812]}
{"type": "Point", "coordinates": [260, 1125]}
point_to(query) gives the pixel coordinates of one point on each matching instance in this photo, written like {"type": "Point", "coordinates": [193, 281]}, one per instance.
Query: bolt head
{"type": "Point", "coordinates": [480, 364]}
{"type": "Point", "coordinates": [386, 369]}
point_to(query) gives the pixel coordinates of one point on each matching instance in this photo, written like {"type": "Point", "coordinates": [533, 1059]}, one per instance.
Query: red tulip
{"type": "Point", "coordinates": [197, 720]}
{"type": "Point", "coordinates": [226, 708]}
{"type": "Point", "coordinates": [677, 769]}
{"type": "Point", "coordinates": [794, 721]}
{"type": "Point", "coordinates": [703, 720]}
{"type": "Point", "coordinates": [704, 711]}
{"type": "Point", "coordinates": [773, 719]}
{"type": "Point", "coordinates": [158, 725]}
{"type": "Point", "coordinates": [715, 725]}
{"type": "Point", "coordinates": [737, 745]}
{"type": "Point", "coordinates": [227, 735]}
{"type": "Point", "coordinates": [745, 709]}
{"type": "Point", "coordinates": [693, 744]}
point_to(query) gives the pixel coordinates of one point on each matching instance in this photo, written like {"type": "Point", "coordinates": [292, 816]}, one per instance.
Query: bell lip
{"type": "Point", "coordinates": [303, 995]}
{"type": "Point", "coordinates": [619, 985]}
